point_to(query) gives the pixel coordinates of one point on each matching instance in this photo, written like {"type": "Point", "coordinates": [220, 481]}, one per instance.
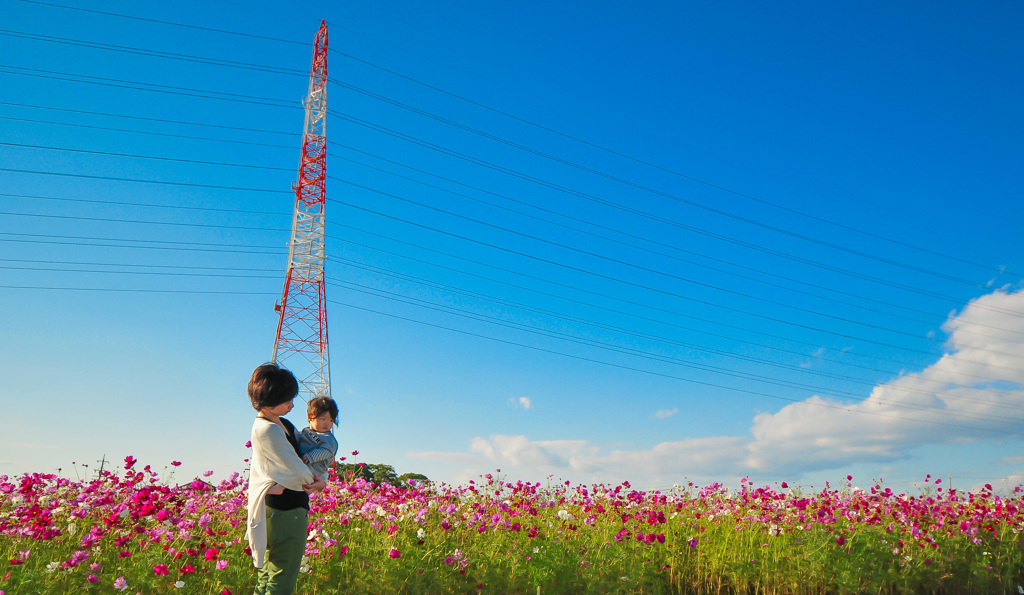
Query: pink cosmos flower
{"type": "Point", "coordinates": [92, 578]}
{"type": "Point", "coordinates": [449, 560]}
{"type": "Point", "coordinates": [395, 553]}
{"type": "Point", "coordinates": [161, 570]}
{"type": "Point", "coordinates": [79, 557]}
{"type": "Point", "coordinates": [222, 564]}
{"type": "Point", "coordinates": [355, 452]}
{"type": "Point", "coordinates": [248, 443]}
{"type": "Point", "coordinates": [129, 462]}
{"type": "Point", "coordinates": [175, 463]}
{"type": "Point", "coordinates": [211, 554]}
{"type": "Point", "coordinates": [188, 569]}
{"type": "Point", "coordinates": [120, 583]}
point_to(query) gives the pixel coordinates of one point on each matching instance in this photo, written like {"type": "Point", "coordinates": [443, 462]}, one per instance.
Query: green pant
{"type": "Point", "coordinates": [286, 544]}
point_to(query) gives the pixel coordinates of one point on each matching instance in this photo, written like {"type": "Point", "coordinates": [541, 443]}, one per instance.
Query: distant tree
{"type": "Point", "coordinates": [404, 478]}
{"type": "Point", "coordinates": [357, 471]}
{"type": "Point", "coordinates": [377, 473]}
{"type": "Point", "coordinates": [383, 474]}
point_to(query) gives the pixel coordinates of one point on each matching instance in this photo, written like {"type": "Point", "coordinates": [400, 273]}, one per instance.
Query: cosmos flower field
{"type": "Point", "coordinates": [133, 531]}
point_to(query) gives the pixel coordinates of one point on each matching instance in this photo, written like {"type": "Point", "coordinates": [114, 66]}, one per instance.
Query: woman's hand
{"type": "Point", "coordinates": [318, 485]}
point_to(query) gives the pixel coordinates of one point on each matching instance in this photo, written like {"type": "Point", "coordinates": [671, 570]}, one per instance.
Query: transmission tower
{"type": "Point", "coordinates": [301, 341]}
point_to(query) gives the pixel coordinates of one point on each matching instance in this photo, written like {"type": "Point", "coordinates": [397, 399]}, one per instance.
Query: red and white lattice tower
{"type": "Point", "coordinates": [301, 341]}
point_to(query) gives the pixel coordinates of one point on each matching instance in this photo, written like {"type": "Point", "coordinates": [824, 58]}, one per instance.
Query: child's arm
{"type": "Point", "coordinates": [318, 455]}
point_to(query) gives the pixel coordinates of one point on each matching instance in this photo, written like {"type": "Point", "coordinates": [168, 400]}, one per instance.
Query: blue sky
{"type": "Point", "coordinates": [581, 240]}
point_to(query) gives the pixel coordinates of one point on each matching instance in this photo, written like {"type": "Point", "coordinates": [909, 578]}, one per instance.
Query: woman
{"type": "Point", "coordinates": [277, 522]}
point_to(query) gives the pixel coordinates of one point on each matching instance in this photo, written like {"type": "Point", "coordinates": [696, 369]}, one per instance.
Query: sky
{"type": "Point", "coordinates": [658, 243]}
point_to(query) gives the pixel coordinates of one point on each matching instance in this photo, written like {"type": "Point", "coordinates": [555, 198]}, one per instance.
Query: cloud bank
{"type": "Point", "coordinates": [974, 392]}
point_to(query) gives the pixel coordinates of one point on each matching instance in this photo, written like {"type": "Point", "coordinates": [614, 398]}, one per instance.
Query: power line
{"type": "Point", "coordinates": [157, 273]}
{"type": "Point", "coordinates": [670, 376]}
{"type": "Point", "coordinates": [197, 27]}
{"type": "Point", "coordinates": [163, 120]}
{"type": "Point", "coordinates": [690, 228]}
{"type": "Point", "coordinates": [592, 254]}
{"type": "Point", "coordinates": [668, 170]}
{"type": "Point", "coordinates": [117, 179]}
{"type": "Point", "coordinates": [954, 300]}
{"type": "Point", "coordinates": [143, 222]}
{"type": "Point", "coordinates": [614, 205]}
{"type": "Point", "coordinates": [136, 265]}
{"type": "Point", "coordinates": [123, 84]}
{"type": "Point", "coordinates": [649, 288]}
{"type": "Point", "coordinates": [632, 236]}
{"type": "Point", "coordinates": [197, 225]}
{"type": "Point", "coordinates": [621, 300]}
{"type": "Point", "coordinates": [520, 305]}
{"type": "Point", "coordinates": [667, 255]}
{"type": "Point", "coordinates": [363, 245]}
{"type": "Point", "coordinates": [153, 53]}
{"type": "Point", "coordinates": [525, 215]}
{"type": "Point", "coordinates": [494, 137]}
{"type": "Point", "coordinates": [107, 219]}
{"type": "Point", "coordinates": [144, 204]}
{"type": "Point", "coordinates": [578, 320]}
{"type": "Point", "coordinates": [136, 290]}
{"type": "Point", "coordinates": [148, 132]}
{"type": "Point", "coordinates": [135, 244]}
{"type": "Point", "coordinates": [600, 344]}
{"type": "Point", "coordinates": [605, 202]}
{"type": "Point", "coordinates": [133, 156]}
{"type": "Point", "coordinates": [692, 381]}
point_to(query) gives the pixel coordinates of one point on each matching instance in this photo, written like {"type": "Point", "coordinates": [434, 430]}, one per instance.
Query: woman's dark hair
{"type": "Point", "coordinates": [271, 385]}
{"type": "Point", "coordinates": [321, 405]}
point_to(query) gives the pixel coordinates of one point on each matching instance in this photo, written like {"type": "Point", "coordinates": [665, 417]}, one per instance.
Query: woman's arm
{"type": "Point", "coordinates": [282, 464]}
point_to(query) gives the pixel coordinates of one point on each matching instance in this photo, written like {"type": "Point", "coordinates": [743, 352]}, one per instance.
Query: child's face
{"type": "Point", "coordinates": [322, 422]}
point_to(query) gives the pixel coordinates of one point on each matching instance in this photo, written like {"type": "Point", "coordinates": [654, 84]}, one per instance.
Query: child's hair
{"type": "Point", "coordinates": [320, 406]}
{"type": "Point", "coordinates": [271, 385]}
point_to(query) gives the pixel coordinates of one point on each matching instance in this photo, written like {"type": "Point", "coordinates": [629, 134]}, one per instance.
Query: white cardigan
{"type": "Point", "coordinates": [273, 461]}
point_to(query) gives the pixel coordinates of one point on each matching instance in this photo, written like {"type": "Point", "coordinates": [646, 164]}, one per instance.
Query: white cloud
{"type": "Point", "coordinates": [973, 393]}
{"type": "Point", "coordinates": [522, 403]}
{"type": "Point", "coordinates": [666, 413]}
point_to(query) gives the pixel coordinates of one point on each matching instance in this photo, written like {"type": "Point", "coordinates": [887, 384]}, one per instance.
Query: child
{"type": "Point", "coordinates": [277, 523]}
{"type": "Point", "coordinates": [317, 444]}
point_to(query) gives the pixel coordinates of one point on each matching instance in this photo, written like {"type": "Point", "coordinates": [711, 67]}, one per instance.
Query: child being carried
{"type": "Point", "coordinates": [317, 444]}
